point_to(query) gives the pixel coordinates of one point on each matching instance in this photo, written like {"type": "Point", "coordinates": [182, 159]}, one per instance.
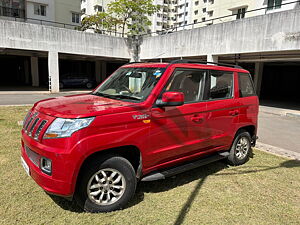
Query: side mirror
{"type": "Point", "coordinates": [171, 99]}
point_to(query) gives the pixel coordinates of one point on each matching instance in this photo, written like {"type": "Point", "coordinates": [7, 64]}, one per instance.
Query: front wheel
{"type": "Point", "coordinates": [241, 149]}
{"type": "Point", "coordinates": [106, 185]}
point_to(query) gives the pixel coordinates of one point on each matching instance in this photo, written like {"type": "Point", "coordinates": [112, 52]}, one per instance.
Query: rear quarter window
{"type": "Point", "coordinates": [246, 87]}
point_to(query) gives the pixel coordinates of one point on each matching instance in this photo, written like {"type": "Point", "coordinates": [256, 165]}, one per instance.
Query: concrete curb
{"type": "Point", "coordinates": [277, 151]}
{"type": "Point", "coordinates": [281, 112]}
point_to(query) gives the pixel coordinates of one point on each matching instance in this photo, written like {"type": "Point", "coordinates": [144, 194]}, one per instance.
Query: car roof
{"type": "Point", "coordinates": [186, 65]}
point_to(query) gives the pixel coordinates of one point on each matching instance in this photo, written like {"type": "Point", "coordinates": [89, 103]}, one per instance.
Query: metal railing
{"type": "Point", "coordinates": [218, 19]}
{"type": "Point", "coordinates": [19, 15]}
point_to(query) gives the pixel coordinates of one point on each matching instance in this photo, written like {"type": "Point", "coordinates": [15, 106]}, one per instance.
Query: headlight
{"type": "Point", "coordinates": [66, 127]}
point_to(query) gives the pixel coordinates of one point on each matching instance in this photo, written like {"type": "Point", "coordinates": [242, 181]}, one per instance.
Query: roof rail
{"type": "Point", "coordinates": [204, 62]}
{"type": "Point", "coordinates": [134, 62]}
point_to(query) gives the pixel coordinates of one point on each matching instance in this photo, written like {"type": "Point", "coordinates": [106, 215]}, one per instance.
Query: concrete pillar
{"type": "Point", "coordinates": [34, 71]}
{"type": "Point", "coordinates": [98, 71]}
{"type": "Point", "coordinates": [103, 70]}
{"type": "Point", "coordinates": [26, 70]}
{"type": "Point", "coordinates": [259, 67]}
{"type": "Point", "coordinates": [212, 58]}
{"type": "Point", "coordinates": [53, 69]}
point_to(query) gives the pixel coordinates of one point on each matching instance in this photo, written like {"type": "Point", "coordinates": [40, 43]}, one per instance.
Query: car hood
{"type": "Point", "coordinates": [84, 105]}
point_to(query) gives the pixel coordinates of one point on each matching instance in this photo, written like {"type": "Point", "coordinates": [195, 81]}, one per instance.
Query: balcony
{"type": "Point", "coordinates": [12, 12]}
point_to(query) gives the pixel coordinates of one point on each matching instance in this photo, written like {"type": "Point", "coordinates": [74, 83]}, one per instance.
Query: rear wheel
{"type": "Point", "coordinates": [240, 149]}
{"type": "Point", "coordinates": [107, 185]}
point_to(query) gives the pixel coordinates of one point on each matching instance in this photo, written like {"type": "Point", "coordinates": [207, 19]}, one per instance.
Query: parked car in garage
{"type": "Point", "coordinates": [76, 81]}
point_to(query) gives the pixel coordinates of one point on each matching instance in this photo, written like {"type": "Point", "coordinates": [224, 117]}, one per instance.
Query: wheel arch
{"type": "Point", "coordinates": [251, 129]}
{"type": "Point", "coordinates": [129, 152]}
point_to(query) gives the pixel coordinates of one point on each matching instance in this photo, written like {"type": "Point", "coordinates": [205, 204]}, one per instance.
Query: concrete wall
{"type": "Point", "coordinates": [267, 33]}
{"type": "Point", "coordinates": [25, 36]}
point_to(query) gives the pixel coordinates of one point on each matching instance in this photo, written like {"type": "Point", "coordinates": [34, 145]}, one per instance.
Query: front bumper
{"type": "Point", "coordinates": [59, 183]}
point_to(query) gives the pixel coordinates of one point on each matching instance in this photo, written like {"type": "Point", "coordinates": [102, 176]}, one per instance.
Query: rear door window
{"type": "Point", "coordinates": [220, 85]}
{"type": "Point", "coordinates": [246, 87]}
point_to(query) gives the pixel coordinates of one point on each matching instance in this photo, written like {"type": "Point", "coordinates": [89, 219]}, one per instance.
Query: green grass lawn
{"type": "Point", "coordinates": [266, 190]}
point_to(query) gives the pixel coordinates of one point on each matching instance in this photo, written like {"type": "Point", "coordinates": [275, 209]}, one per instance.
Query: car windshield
{"type": "Point", "coordinates": [132, 83]}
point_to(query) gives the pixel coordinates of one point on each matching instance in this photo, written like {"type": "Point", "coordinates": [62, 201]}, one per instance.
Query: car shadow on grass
{"type": "Point", "coordinates": [199, 174]}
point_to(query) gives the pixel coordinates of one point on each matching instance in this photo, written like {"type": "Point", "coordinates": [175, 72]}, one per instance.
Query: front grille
{"type": "Point", "coordinates": [33, 125]}
{"type": "Point", "coordinates": [39, 129]}
{"type": "Point", "coordinates": [34, 157]}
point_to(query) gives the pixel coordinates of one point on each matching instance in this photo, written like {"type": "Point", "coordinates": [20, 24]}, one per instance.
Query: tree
{"type": "Point", "coordinates": [99, 22]}
{"type": "Point", "coordinates": [130, 14]}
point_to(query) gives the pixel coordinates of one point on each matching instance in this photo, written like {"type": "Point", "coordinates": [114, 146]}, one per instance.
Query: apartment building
{"type": "Point", "coordinates": [187, 14]}
{"type": "Point", "coordinates": [207, 12]}
{"type": "Point", "coordinates": [47, 12]}
{"type": "Point", "coordinates": [91, 7]}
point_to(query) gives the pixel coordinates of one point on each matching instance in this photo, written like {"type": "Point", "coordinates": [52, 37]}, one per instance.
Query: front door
{"type": "Point", "coordinates": [178, 131]}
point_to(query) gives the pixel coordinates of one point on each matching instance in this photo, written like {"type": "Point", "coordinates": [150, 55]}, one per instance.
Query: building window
{"type": "Point", "coordinates": [211, 1]}
{"type": "Point", "coordinates": [203, 19]}
{"type": "Point", "coordinates": [196, 2]}
{"type": "Point", "coordinates": [186, 13]}
{"type": "Point", "coordinates": [75, 17]}
{"type": "Point", "coordinates": [274, 4]}
{"type": "Point", "coordinates": [210, 13]}
{"type": "Point", "coordinates": [204, 10]}
{"type": "Point", "coordinates": [98, 8]}
{"type": "Point", "coordinates": [39, 10]}
{"type": "Point", "coordinates": [204, 1]}
{"type": "Point", "coordinates": [83, 10]}
{"type": "Point", "coordinates": [195, 21]}
{"type": "Point", "coordinates": [196, 12]}
{"type": "Point", "coordinates": [241, 13]}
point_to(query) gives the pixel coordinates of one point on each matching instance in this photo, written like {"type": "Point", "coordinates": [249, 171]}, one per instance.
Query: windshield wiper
{"type": "Point", "coordinates": [127, 97]}
{"type": "Point", "coordinates": [103, 95]}
{"type": "Point", "coordinates": [116, 96]}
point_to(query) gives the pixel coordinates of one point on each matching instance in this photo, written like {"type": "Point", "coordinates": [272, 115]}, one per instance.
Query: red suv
{"type": "Point", "coordinates": [147, 121]}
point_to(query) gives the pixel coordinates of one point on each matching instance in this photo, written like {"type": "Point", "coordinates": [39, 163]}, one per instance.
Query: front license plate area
{"type": "Point", "coordinates": [25, 166]}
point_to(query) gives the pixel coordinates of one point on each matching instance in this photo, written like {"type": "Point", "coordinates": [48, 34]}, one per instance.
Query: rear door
{"type": "Point", "coordinates": [222, 108]}
{"type": "Point", "coordinates": [248, 101]}
{"type": "Point", "coordinates": [178, 132]}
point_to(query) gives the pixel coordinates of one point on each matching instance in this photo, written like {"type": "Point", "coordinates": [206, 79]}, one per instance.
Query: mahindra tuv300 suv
{"type": "Point", "coordinates": [146, 122]}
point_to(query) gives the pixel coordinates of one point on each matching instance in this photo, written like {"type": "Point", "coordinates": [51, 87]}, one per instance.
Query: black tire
{"type": "Point", "coordinates": [89, 85]}
{"type": "Point", "coordinates": [115, 163]}
{"type": "Point", "coordinates": [239, 155]}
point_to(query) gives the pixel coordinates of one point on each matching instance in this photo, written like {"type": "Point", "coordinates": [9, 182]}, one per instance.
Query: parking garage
{"type": "Point", "coordinates": [28, 70]}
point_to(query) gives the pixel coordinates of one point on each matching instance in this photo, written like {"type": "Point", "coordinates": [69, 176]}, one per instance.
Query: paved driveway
{"type": "Point", "coordinates": [20, 98]}
{"type": "Point", "coordinates": [280, 131]}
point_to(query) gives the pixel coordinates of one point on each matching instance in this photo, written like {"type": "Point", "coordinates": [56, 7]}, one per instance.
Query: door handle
{"type": "Point", "coordinates": [234, 113]}
{"type": "Point", "coordinates": [197, 119]}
